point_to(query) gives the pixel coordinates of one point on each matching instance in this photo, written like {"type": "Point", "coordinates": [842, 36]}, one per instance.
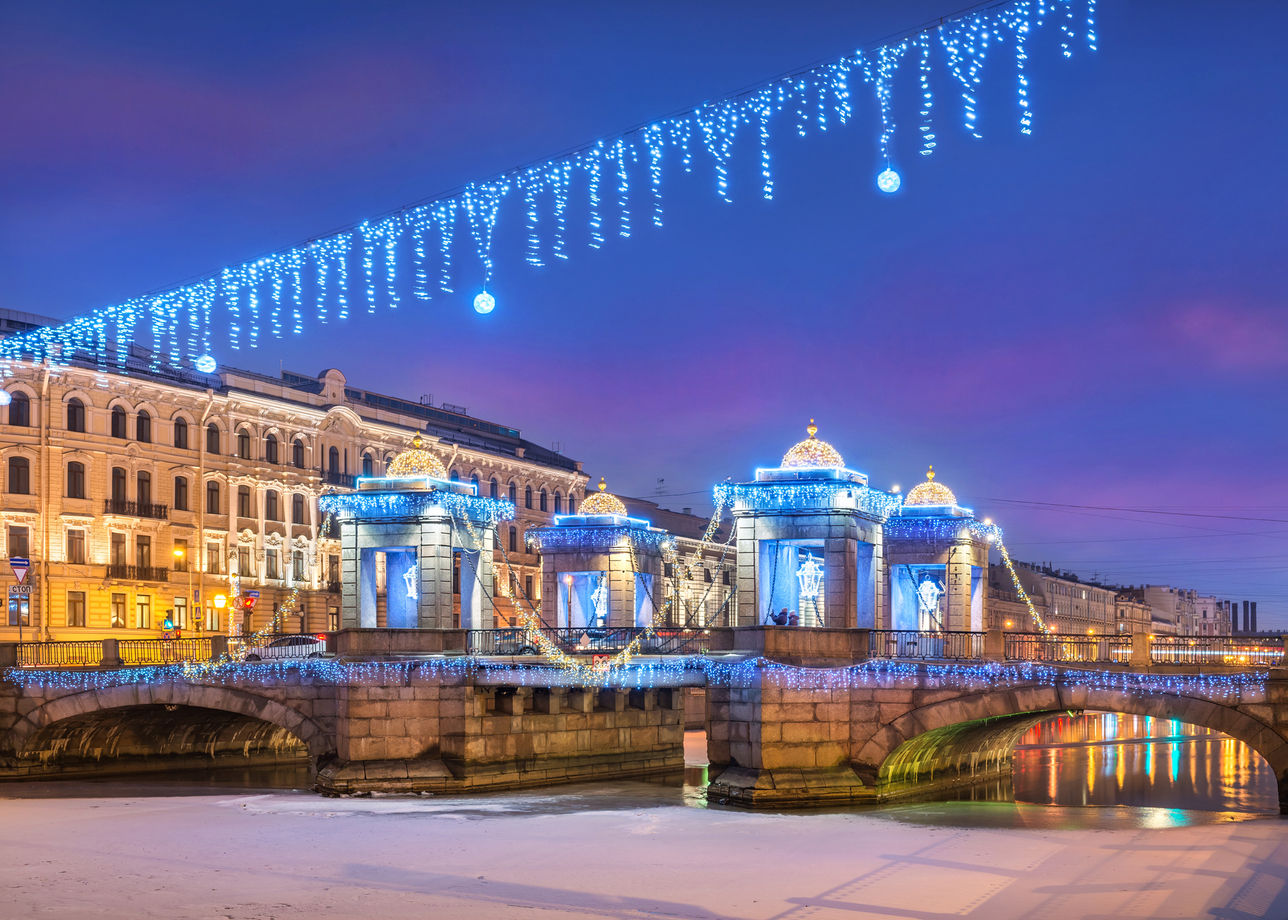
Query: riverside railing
{"type": "Point", "coordinates": [77, 654]}
{"type": "Point", "coordinates": [135, 652]}
{"type": "Point", "coordinates": [912, 643]}
{"type": "Point", "coordinates": [1229, 651]}
{"type": "Point", "coordinates": [115, 653]}
{"type": "Point", "coordinates": [590, 640]}
{"type": "Point", "coordinates": [1114, 649]}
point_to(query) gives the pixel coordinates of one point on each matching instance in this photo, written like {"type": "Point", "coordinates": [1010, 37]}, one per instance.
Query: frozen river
{"type": "Point", "coordinates": [133, 849]}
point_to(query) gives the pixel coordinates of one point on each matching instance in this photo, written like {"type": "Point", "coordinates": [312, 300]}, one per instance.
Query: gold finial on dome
{"type": "Point", "coordinates": [812, 453]}
{"type": "Point", "coordinates": [415, 461]}
{"type": "Point", "coordinates": [930, 492]}
{"type": "Point", "coordinates": [603, 502]}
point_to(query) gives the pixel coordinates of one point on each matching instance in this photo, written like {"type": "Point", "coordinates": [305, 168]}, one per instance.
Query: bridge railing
{"type": "Point", "coordinates": [589, 641]}
{"type": "Point", "coordinates": [135, 652]}
{"type": "Point", "coordinates": [73, 654]}
{"type": "Point", "coordinates": [1229, 651]}
{"type": "Point", "coordinates": [1113, 649]}
{"type": "Point", "coordinates": [912, 643]}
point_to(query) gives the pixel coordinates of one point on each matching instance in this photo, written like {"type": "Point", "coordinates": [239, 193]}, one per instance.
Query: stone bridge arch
{"type": "Point", "coordinates": [974, 733]}
{"type": "Point", "coordinates": [316, 740]}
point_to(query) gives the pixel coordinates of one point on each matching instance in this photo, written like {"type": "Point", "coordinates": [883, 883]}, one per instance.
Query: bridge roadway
{"type": "Point", "coordinates": [791, 719]}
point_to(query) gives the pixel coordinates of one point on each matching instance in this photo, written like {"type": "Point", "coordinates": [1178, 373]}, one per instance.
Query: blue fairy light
{"type": "Point", "coordinates": [888, 181]}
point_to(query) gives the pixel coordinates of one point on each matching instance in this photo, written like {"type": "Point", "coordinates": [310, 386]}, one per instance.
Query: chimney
{"type": "Point", "coordinates": [687, 510]}
{"type": "Point", "coordinates": [1254, 616]}
{"type": "Point", "coordinates": [1247, 618]}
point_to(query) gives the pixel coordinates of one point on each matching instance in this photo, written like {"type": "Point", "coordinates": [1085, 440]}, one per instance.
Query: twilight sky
{"type": "Point", "coordinates": [1084, 330]}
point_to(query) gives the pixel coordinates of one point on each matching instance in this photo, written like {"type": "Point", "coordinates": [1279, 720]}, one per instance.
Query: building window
{"type": "Point", "coordinates": [143, 488]}
{"type": "Point", "coordinates": [180, 555]}
{"type": "Point", "coordinates": [214, 559]}
{"type": "Point", "coordinates": [514, 539]}
{"type": "Point", "coordinates": [118, 548]}
{"type": "Point", "coordinates": [493, 488]}
{"type": "Point", "coordinates": [541, 500]}
{"type": "Point", "coordinates": [212, 498]}
{"type": "Point", "coordinates": [297, 454]}
{"type": "Point", "coordinates": [20, 410]}
{"type": "Point", "coordinates": [270, 564]}
{"type": "Point", "coordinates": [527, 496]}
{"type": "Point", "coordinates": [179, 613]}
{"type": "Point", "coordinates": [474, 481]}
{"type": "Point", "coordinates": [297, 509]}
{"type": "Point", "coordinates": [558, 503]}
{"type": "Point", "coordinates": [297, 565]}
{"type": "Point", "coordinates": [333, 568]}
{"type": "Point", "coordinates": [333, 460]}
{"type": "Point", "coordinates": [368, 465]}
{"type": "Point", "coordinates": [333, 618]}
{"type": "Point", "coordinates": [75, 608]}
{"type": "Point", "coordinates": [118, 484]}
{"type": "Point", "coordinates": [456, 574]}
{"type": "Point", "coordinates": [527, 586]}
{"type": "Point", "coordinates": [243, 444]}
{"type": "Point", "coordinates": [181, 434]}
{"type": "Point", "coordinates": [75, 479]}
{"type": "Point", "coordinates": [270, 448]}
{"type": "Point", "coordinates": [143, 427]}
{"type": "Point", "coordinates": [143, 612]}
{"type": "Point", "coordinates": [181, 493]}
{"type": "Point", "coordinates": [75, 415]}
{"type": "Point", "coordinates": [513, 493]}
{"type": "Point", "coordinates": [212, 438]}
{"type": "Point", "coordinates": [19, 476]}
{"type": "Point", "coordinates": [117, 610]}
{"type": "Point", "coordinates": [76, 547]}
{"type": "Point", "coordinates": [143, 551]}
{"type": "Point", "coordinates": [19, 545]}
{"type": "Point", "coordinates": [272, 505]}
{"type": "Point", "coordinates": [572, 505]}
{"type": "Point", "coordinates": [243, 561]}
{"type": "Point", "coordinates": [243, 501]}
{"type": "Point", "coordinates": [118, 422]}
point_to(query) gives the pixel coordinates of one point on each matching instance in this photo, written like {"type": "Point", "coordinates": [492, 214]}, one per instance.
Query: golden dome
{"type": "Point", "coordinates": [603, 502]}
{"type": "Point", "coordinates": [416, 461]}
{"type": "Point", "coordinates": [930, 492]}
{"type": "Point", "coordinates": [812, 453]}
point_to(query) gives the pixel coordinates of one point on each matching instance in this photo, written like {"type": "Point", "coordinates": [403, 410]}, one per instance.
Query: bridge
{"type": "Point", "coordinates": [793, 716]}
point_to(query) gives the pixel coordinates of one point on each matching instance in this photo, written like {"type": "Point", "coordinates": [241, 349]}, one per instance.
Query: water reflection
{"type": "Point", "coordinates": [1102, 758]}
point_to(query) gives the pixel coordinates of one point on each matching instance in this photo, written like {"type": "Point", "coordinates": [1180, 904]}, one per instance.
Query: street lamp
{"type": "Point", "coordinates": [568, 591]}
{"type": "Point", "coordinates": [221, 601]}
{"type": "Point", "coordinates": [180, 554]}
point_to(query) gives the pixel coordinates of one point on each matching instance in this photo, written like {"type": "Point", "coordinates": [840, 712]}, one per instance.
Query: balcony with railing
{"type": "Point", "coordinates": [137, 572]}
{"type": "Point", "coordinates": [336, 478]}
{"type": "Point", "coordinates": [136, 509]}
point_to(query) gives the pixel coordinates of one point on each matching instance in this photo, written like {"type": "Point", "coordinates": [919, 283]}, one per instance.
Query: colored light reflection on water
{"type": "Point", "coordinates": [1102, 758]}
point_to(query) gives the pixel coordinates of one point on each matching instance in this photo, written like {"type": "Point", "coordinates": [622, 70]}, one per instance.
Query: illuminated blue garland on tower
{"type": "Point", "coordinates": [269, 296]}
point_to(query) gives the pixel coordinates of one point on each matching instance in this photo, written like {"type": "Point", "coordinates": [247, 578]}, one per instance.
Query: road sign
{"type": "Point", "coordinates": [252, 594]}
{"type": "Point", "coordinates": [20, 567]}
{"type": "Point", "coordinates": [20, 590]}
{"type": "Point", "coordinates": [248, 601]}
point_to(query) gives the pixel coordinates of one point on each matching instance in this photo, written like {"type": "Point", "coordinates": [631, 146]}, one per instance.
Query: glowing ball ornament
{"type": "Point", "coordinates": [484, 303]}
{"type": "Point", "coordinates": [206, 364]}
{"type": "Point", "coordinates": [888, 181]}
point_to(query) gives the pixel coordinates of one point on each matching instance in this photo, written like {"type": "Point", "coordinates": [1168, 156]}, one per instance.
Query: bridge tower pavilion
{"type": "Point", "coordinates": [809, 534]}
{"type": "Point", "coordinates": [602, 567]}
{"type": "Point", "coordinates": [419, 527]}
{"type": "Point", "coordinates": [937, 562]}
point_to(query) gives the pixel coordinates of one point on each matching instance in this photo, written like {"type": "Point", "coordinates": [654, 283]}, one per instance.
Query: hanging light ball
{"type": "Point", "coordinates": [206, 364]}
{"type": "Point", "coordinates": [888, 181]}
{"type": "Point", "coordinates": [484, 303]}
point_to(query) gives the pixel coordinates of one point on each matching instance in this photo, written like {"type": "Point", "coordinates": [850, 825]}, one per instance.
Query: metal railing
{"type": "Point", "coordinates": [138, 572]}
{"type": "Point", "coordinates": [590, 641]}
{"type": "Point", "coordinates": [1114, 649]}
{"type": "Point", "coordinates": [1228, 651]}
{"type": "Point", "coordinates": [136, 509]}
{"type": "Point", "coordinates": [164, 651]}
{"type": "Point", "coordinates": [336, 478]}
{"type": "Point", "coordinates": [72, 654]}
{"type": "Point", "coordinates": [912, 643]}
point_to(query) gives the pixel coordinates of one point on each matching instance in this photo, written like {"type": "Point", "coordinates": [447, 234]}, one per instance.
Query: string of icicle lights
{"type": "Point", "coordinates": [612, 180]}
{"type": "Point", "coordinates": [1245, 686]}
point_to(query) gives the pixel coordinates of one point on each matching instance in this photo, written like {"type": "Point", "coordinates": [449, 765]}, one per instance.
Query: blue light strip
{"type": "Point", "coordinates": [595, 538]}
{"type": "Point", "coordinates": [347, 505]}
{"type": "Point", "coordinates": [802, 496]}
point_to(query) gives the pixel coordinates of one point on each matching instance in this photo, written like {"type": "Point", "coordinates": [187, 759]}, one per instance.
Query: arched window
{"type": "Point", "coordinates": [527, 496]}
{"type": "Point", "coordinates": [20, 410]}
{"type": "Point", "coordinates": [181, 433]}
{"type": "Point", "coordinates": [455, 477]}
{"type": "Point", "coordinates": [243, 444]}
{"type": "Point", "coordinates": [297, 454]}
{"type": "Point", "coordinates": [513, 493]}
{"type": "Point", "coordinates": [558, 503]}
{"type": "Point", "coordinates": [118, 484]}
{"type": "Point", "coordinates": [333, 460]}
{"type": "Point", "coordinates": [272, 505]}
{"type": "Point", "coordinates": [493, 488]}
{"type": "Point", "coordinates": [514, 539]}
{"type": "Point", "coordinates": [212, 438]}
{"type": "Point", "coordinates": [75, 479]}
{"type": "Point", "coordinates": [572, 505]}
{"type": "Point", "coordinates": [212, 498]}
{"type": "Point", "coordinates": [297, 509]}
{"type": "Point", "coordinates": [181, 493]}
{"type": "Point", "coordinates": [75, 415]}
{"type": "Point", "coordinates": [368, 465]}
{"type": "Point", "coordinates": [143, 488]}
{"type": "Point", "coordinates": [143, 427]}
{"type": "Point", "coordinates": [118, 422]}
{"type": "Point", "coordinates": [19, 475]}
{"type": "Point", "coordinates": [474, 481]}
{"type": "Point", "coordinates": [541, 500]}
{"type": "Point", "coordinates": [270, 448]}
